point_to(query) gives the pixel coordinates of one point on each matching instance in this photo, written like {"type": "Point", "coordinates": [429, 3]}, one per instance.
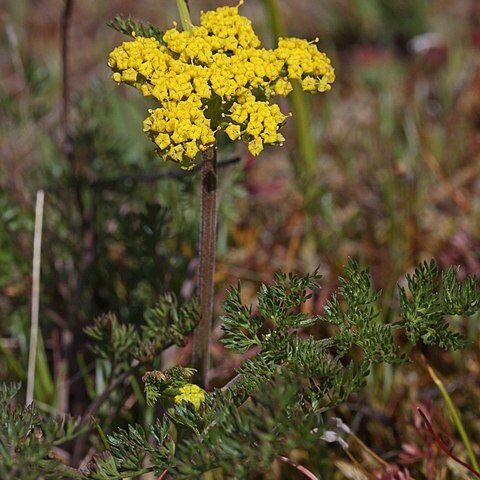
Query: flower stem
{"type": "Point", "coordinates": [208, 231]}
{"type": "Point", "coordinates": [305, 165]}
{"type": "Point", "coordinates": [184, 15]}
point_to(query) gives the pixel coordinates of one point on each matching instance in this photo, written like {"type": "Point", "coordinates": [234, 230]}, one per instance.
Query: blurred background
{"type": "Point", "coordinates": [384, 168]}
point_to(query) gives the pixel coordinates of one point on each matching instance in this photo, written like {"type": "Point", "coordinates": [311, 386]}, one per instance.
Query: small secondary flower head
{"type": "Point", "coordinates": [216, 78]}
{"type": "Point", "coordinates": [190, 393]}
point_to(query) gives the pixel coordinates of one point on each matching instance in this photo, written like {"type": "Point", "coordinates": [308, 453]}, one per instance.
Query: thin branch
{"type": "Point", "coordinates": [96, 404]}
{"type": "Point", "coordinates": [67, 145]}
{"type": "Point", "coordinates": [93, 408]}
{"type": "Point", "coordinates": [443, 447]}
{"type": "Point", "coordinates": [65, 119]}
{"type": "Point", "coordinates": [114, 383]}
{"type": "Point", "coordinates": [233, 382]}
{"type": "Point", "coordinates": [130, 181]}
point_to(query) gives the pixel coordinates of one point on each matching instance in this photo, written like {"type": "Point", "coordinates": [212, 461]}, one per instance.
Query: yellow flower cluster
{"type": "Point", "coordinates": [216, 78]}
{"type": "Point", "coordinates": [190, 393]}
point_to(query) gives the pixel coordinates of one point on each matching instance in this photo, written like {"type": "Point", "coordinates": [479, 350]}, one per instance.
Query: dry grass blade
{"type": "Point", "coordinates": [37, 251]}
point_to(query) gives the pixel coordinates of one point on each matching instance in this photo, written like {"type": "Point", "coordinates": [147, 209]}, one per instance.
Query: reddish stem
{"type": "Point", "coordinates": [208, 233]}
{"type": "Point", "coordinates": [443, 447]}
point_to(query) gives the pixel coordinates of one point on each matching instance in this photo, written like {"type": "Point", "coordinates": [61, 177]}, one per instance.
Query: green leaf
{"type": "Point", "coordinates": [133, 28]}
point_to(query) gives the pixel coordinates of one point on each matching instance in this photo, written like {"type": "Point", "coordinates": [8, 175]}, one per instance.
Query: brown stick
{"type": "Point", "coordinates": [208, 233]}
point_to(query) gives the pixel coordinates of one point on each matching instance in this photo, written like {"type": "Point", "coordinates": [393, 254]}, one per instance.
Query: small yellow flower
{"type": "Point", "coordinates": [282, 87]}
{"type": "Point", "coordinates": [162, 140]}
{"type": "Point", "coordinates": [255, 147]}
{"type": "Point", "coordinates": [129, 75]}
{"type": "Point", "coordinates": [191, 149]}
{"type": "Point", "coordinates": [190, 393]}
{"type": "Point", "coordinates": [233, 131]}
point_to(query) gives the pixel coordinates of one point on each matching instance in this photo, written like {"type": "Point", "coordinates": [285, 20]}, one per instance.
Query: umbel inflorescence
{"type": "Point", "coordinates": [214, 78]}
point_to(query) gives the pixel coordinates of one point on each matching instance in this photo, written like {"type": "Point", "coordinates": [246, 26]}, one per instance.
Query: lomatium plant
{"type": "Point", "coordinates": [206, 79]}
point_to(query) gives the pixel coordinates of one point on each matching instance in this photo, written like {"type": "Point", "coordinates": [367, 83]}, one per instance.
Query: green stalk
{"type": "Point", "coordinates": [44, 383]}
{"type": "Point", "coordinates": [184, 15]}
{"type": "Point", "coordinates": [101, 433]}
{"type": "Point", "coordinates": [306, 144]}
{"type": "Point", "coordinates": [208, 228]}
{"type": "Point", "coordinates": [303, 132]}
{"type": "Point", "coordinates": [455, 415]}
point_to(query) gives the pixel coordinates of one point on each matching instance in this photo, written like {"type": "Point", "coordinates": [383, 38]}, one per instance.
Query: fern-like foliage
{"type": "Point", "coordinates": [245, 442]}
{"type": "Point", "coordinates": [277, 400]}
{"type": "Point", "coordinates": [166, 324]}
{"type": "Point", "coordinates": [131, 27]}
{"type": "Point", "coordinates": [28, 439]}
{"type": "Point", "coordinates": [292, 378]}
{"type": "Point", "coordinates": [358, 322]}
{"type": "Point", "coordinates": [430, 299]}
{"type": "Point", "coordinates": [113, 340]}
{"type": "Point", "coordinates": [163, 325]}
{"type": "Point", "coordinates": [241, 442]}
{"type": "Point", "coordinates": [129, 450]}
{"type": "Point", "coordinates": [278, 303]}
